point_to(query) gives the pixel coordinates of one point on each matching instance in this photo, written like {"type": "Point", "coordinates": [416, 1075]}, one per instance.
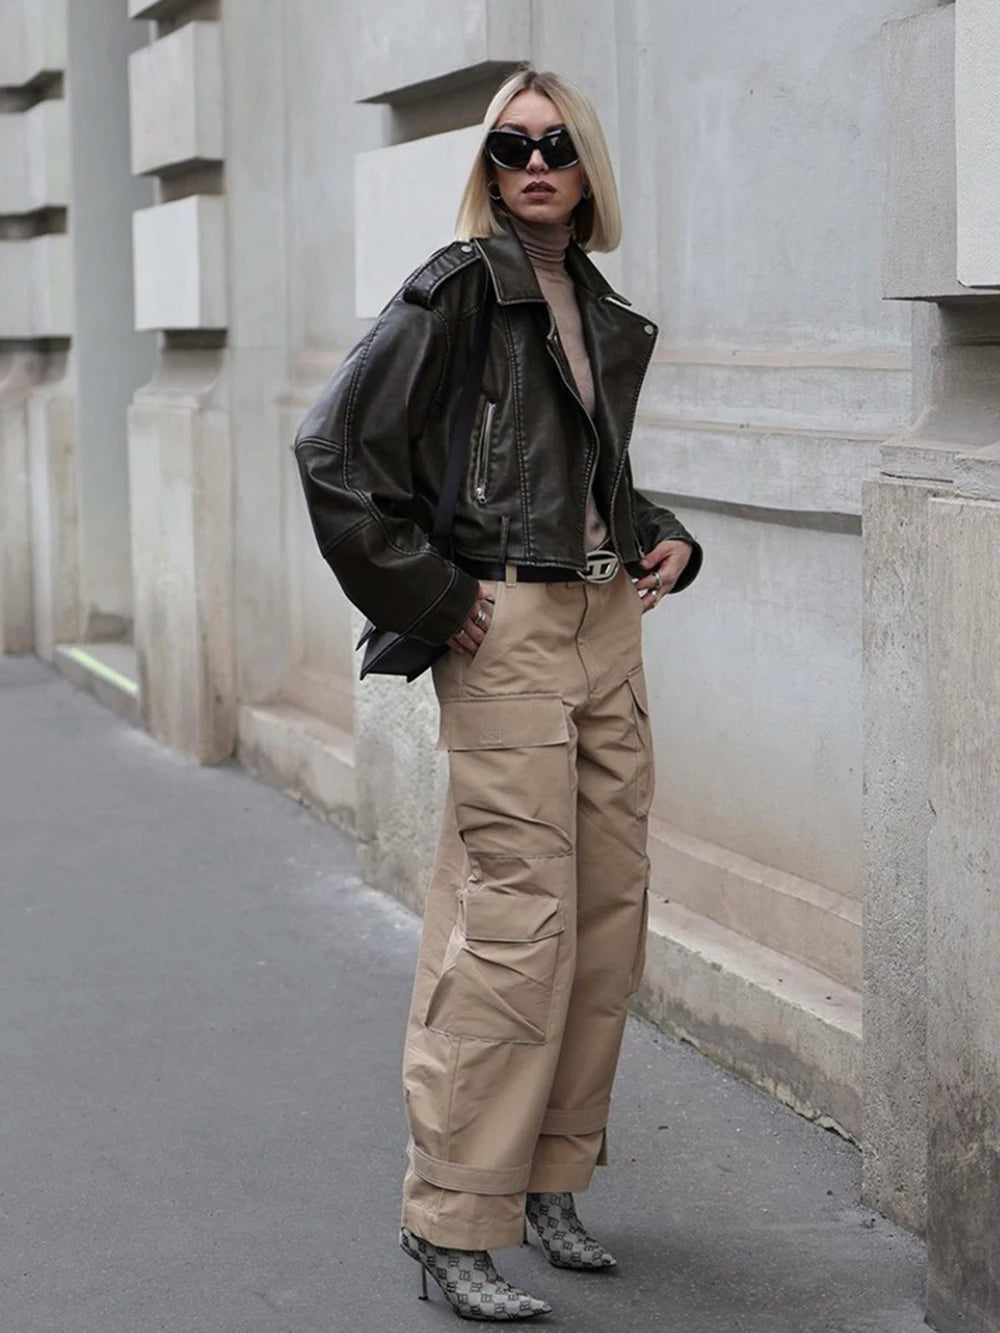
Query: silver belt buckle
{"type": "Point", "coordinates": [602, 566]}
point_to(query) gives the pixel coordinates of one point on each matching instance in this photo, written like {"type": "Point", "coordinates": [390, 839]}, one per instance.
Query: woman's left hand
{"type": "Point", "coordinates": [665, 563]}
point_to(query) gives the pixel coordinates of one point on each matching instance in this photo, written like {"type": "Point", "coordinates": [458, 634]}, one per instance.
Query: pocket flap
{"type": "Point", "coordinates": [637, 684]}
{"type": "Point", "coordinates": [507, 723]}
{"type": "Point", "coordinates": [492, 914]}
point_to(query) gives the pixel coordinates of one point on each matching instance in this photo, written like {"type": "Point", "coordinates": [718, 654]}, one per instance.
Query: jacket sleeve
{"type": "Point", "coordinates": [353, 453]}
{"type": "Point", "coordinates": [654, 524]}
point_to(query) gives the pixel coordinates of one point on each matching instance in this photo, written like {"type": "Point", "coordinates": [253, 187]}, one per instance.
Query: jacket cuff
{"type": "Point", "coordinates": [693, 567]}
{"type": "Point", "coordinates": [671, 529]}
{"type": "Point", "coordinates": [448, 614]}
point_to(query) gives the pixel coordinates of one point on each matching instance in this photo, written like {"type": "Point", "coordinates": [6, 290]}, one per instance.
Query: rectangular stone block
{"type": "Point", "coordinates": [867, 391]}
{"type": "Point", "coordinates": [919, 216]}
{"type": "Point", "coordinates": [35, 288]}
{"type": "Point", "coordinates": [807, 472]}
{"type": "Point", "coordinates": [155, 9]}
{"type": "Point", "coordinates": [32, 40]}
{"type": "Point", "coordinates": [175, 97]}
{"type": "Point", "coordinates": [977, 140]}
{"type": "Point", "coordinates": [796, 918]}
{"type": "Point", "coordinates": [405, 201]}
{"type": "Point", "coordinates": [34, 159]}
{"type": "Point", "coordinates": [409, 48]}
{"type": "Point", "coordinates": [179, 253]}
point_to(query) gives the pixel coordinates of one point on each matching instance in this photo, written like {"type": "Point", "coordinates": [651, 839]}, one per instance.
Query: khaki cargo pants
{"type": "Point", "coordinates": [535, 923]}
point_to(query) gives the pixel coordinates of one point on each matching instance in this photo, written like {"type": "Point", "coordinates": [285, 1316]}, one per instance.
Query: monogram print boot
{"type": "Point", "coordinates": [561, 1232]}
{"type": "Point", "coordinates": [471, 1285]}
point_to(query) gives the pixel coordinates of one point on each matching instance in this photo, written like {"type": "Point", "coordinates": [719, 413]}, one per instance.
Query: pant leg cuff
{"type": "Point", "coordinates": [585, 1120]}
{"type": "Point", "coordinates": [455, 1235]}
{"type": "Point", "coordinates": [470, 1179]}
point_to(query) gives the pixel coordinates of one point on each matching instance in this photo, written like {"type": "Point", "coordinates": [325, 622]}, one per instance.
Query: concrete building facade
{"type": "Point", "coordinates": [203, 203]}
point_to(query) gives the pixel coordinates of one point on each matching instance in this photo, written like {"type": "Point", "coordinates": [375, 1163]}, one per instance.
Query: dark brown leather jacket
{"type": "Point", "coordinates": [372, 448]}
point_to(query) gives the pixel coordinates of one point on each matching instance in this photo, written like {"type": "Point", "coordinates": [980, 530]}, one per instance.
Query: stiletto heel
{"type": "Point", "coordinates": [470, 1283]}
{"type": "Point", "coordinates": [564, 1240]}
{"type": "Point", "coordinates": [524, 1233]}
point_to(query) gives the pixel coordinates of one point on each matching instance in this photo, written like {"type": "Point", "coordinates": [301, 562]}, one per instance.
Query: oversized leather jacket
{"type": "Point", "coordinates": [372, 448]}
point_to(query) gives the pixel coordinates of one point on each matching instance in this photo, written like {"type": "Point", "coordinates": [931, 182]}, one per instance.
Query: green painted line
{"type": "Point", "coordinates": [101, 669]}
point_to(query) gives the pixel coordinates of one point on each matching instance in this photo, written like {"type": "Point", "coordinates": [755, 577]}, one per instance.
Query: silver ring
{"type": "Point", "coordinates": [480, 617]}
{"type": "Point", "coordinates": [659, 581]}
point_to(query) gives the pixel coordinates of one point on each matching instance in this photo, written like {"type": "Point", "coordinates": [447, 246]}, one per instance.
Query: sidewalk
{"type": "Point", "coordinates": [201, 1012]}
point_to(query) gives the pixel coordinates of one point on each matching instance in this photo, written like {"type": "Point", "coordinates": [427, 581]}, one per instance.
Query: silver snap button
{"type": "Point", "coordinates": [466, 248]}
{"type": "Point", "coordinates": [650, 329]}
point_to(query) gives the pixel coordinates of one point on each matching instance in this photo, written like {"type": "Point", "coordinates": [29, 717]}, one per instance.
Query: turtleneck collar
{"type": "Point", "coordinates": [545, 243]}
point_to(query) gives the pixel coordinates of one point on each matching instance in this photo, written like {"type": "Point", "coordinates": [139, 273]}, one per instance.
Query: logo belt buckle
{"type": "Point", "coordinates": [602, 566]}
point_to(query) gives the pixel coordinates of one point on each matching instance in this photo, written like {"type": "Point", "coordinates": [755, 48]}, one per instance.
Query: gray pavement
{"type": "Point", "coordinates": [201, 1011]}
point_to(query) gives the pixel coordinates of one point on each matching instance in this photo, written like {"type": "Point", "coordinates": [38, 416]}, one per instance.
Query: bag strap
{"type": "Point", "coordinates": [461, 439]}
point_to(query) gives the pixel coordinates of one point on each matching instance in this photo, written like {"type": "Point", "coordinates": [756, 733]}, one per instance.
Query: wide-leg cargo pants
{"type": "Point", "coordinates": [534, 929]}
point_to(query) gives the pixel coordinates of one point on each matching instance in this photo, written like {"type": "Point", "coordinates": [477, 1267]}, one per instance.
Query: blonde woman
{"type": "Point", "coordinates": [536, 914]}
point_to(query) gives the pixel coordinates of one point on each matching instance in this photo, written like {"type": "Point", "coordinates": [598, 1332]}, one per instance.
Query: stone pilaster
{"type": "Point", "coordinates": [180, 465]}
{"type": "Point", "coordinates": [963, 879]}
{"type": "Point", "coordinates": [38, 531]}
{"type": "Point", "coordinates": [932, 783]}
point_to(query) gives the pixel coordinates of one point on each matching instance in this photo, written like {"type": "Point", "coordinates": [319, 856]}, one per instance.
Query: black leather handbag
{"type": "Point", "coordinates": [388, 653]}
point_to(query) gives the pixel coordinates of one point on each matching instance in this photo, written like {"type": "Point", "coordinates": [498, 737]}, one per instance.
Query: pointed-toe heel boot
{"type": "Point", "coordinates": [470, 1283]}
{"type": "Point", "coordinates": [562, 1235]}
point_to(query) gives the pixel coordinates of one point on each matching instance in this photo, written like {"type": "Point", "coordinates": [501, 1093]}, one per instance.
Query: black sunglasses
{"type": "Point", "coordinates": [512, 150]}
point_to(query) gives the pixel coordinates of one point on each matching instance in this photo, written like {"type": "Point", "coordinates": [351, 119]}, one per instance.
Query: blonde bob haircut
{"type": "Point", "coordinates": [597, 220]}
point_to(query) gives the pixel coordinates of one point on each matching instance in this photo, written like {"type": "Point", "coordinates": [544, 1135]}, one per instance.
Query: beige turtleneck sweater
{"type": "Point", "coordinates": [545, 244]}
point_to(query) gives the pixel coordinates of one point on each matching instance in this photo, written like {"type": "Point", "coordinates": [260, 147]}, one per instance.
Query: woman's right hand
{"type": "Point", "coordinates": [473, 632]}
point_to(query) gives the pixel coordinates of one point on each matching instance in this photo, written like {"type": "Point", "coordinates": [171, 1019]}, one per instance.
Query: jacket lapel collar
{"type": "Point", "coordinates": [514, 278]}
{"type": "Point", "coordinates": [587, 275]}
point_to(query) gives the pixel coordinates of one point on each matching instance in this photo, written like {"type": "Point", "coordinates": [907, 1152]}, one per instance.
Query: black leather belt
{"type": "Point", "coordinates": [484, 569]}
{"type": "Point", "coordinates": [602, 566]}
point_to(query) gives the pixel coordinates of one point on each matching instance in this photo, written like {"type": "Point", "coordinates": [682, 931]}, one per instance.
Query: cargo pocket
{"type": "Point", "coordinates": [644, 777]}
{"type": "Point", "coordinates": [499, 969]}
{"type": "Point", "coordinates": [510, 777]}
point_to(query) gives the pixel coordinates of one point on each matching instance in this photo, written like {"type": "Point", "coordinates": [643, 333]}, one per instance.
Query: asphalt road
{"type": "Point", "coordinates": [201, 1013]}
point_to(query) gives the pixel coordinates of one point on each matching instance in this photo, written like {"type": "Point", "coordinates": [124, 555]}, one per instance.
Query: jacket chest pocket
{"type": "Point", "coordinates": [481, 455]}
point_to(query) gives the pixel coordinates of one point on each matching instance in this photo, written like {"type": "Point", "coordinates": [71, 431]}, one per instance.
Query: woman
{"type": "Point", "coordinates": [536, 914]}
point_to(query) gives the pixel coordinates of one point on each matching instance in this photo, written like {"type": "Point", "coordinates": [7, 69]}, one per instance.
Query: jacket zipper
{"type": "Point", "coordinates": [621, 301]}
{"type": "Point", "coordinates": [483, 455]}
{"type": "Point", "coordinates": [592, 465]}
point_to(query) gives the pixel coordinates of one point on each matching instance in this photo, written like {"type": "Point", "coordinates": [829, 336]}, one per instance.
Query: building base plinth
{"type": "Point", "coordinates": [303, 756]}
{"type": "Point", "coordinates": [777, 1023]}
